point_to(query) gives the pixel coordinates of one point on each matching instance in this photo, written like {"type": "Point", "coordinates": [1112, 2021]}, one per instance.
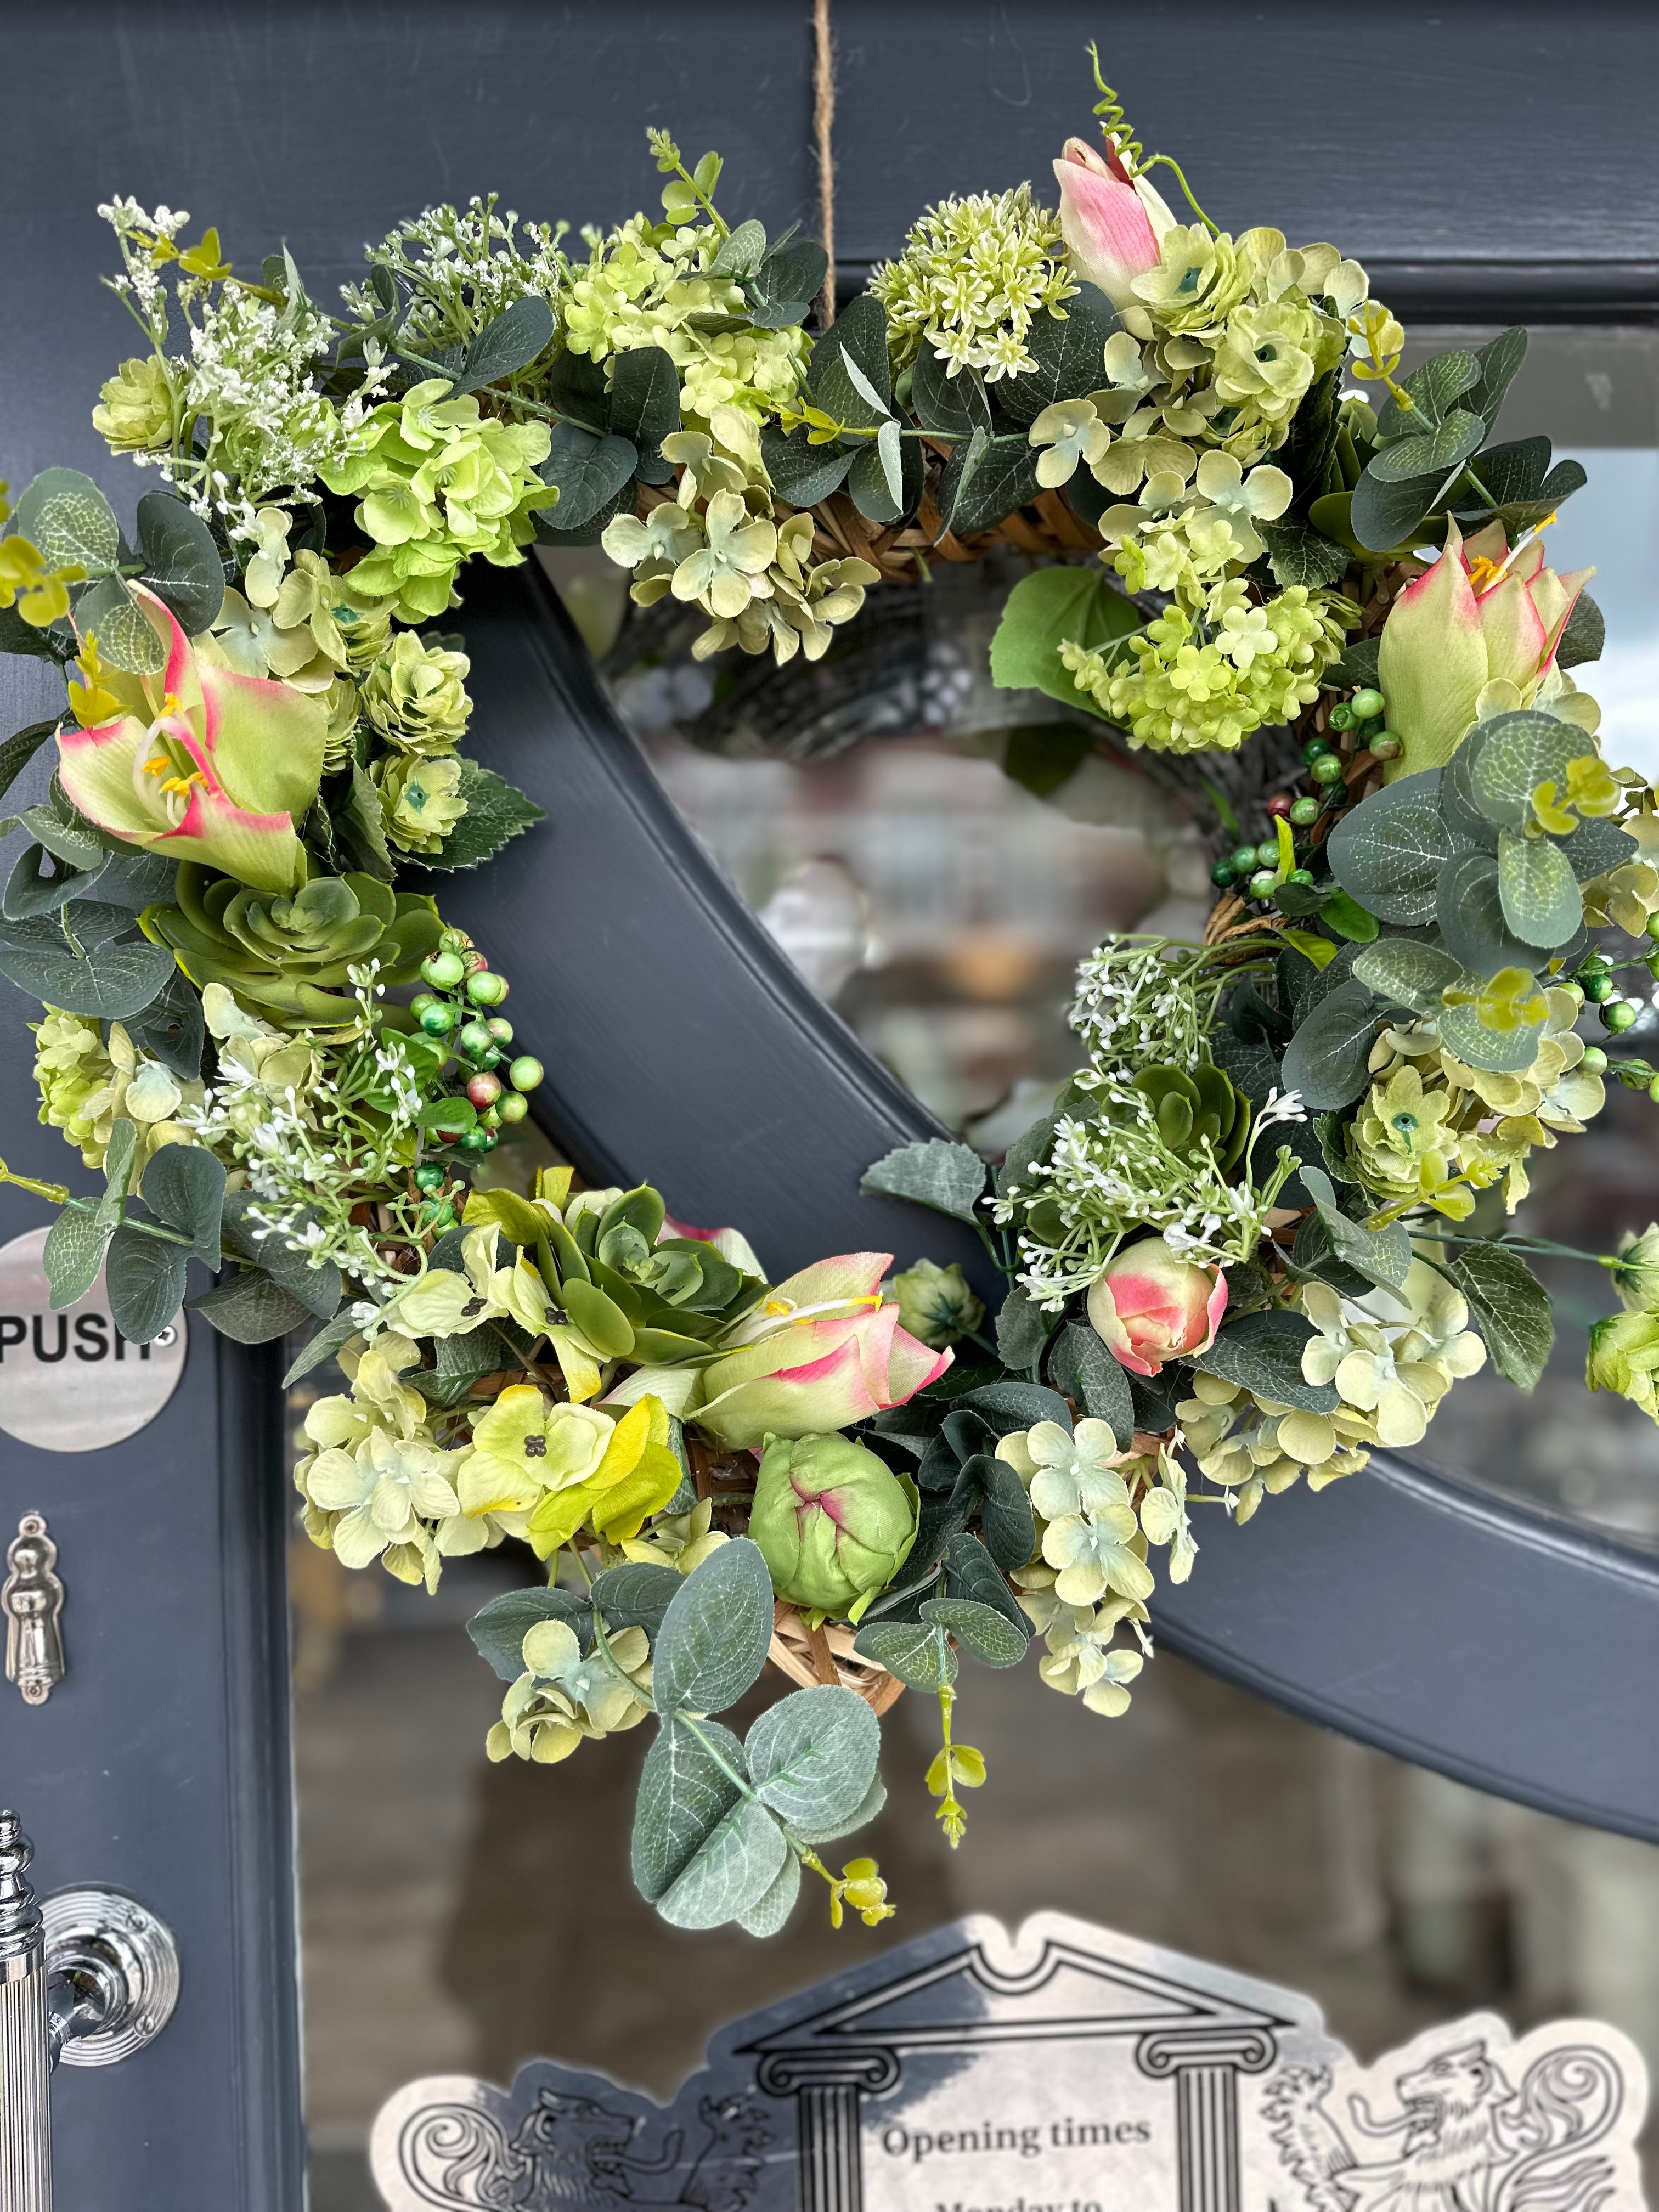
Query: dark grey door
{"type": "Point", "coordinates": [1487, 161]}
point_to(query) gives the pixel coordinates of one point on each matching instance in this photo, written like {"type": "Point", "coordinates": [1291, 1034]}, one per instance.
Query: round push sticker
{"type": "Point", "coordinates": [69, 1382]}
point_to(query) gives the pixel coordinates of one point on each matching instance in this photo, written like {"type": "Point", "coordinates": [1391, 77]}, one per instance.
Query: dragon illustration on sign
{"type": "Point", "coordinates": [1464, 2139]}
{"type": "Point", "coordinates": [573, 2153]}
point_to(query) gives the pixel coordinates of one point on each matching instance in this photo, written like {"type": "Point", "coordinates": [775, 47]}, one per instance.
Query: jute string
{"type": "Point", "coordinates": [823, 128]}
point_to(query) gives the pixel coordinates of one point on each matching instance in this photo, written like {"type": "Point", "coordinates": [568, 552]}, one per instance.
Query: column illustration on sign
{"type": "Point", "coordinates": [1062, 2069]}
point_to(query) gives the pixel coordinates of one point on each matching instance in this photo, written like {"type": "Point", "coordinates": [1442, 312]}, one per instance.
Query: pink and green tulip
{"type": "Point", "coordinates": [200, 764]}
{"type": "Point", "coordinates": [1481, 614]}
{"type": "Point", "coordinates": [820, 1351]}
{"type": "Point", "coordinates": [1112, 222]}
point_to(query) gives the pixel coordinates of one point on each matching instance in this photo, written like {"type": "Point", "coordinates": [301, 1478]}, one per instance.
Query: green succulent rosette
{"type": "Point", "coordinates": [289, 959]}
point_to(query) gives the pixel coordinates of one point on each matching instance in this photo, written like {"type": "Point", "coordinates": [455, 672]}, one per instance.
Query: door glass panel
{"type": "Point", "coordinates": [936, 854]}
{"type": "Point", "coordinates": [459, 1917]}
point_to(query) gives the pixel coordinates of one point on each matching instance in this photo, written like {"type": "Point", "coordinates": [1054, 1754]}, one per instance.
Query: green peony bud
{"type": "Point", "coordinates": [1624, 1356]}
{"type": "Point", "coordinates": [834, 1524]}
{"type": "Point", "coordinates": [364, 624]}
{"type": "Point", "coordinates": [415, 695]}
{"type": "Point", "coordinates": [936, 1304]}
{"type": "Point", "coordinates": [420, 800]}
{"type": "Point", "coordinates": [139, 409]}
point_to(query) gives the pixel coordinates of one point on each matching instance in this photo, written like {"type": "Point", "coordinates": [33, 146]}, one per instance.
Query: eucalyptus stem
{"type": "Point", "coordinates": [55, 1194]}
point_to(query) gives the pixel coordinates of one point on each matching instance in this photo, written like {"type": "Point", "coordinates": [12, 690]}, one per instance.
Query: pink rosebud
{"type": "Point", "coordinates": [1149, 1305]}
{"type": "Point", "coordinates": [1111, 222]}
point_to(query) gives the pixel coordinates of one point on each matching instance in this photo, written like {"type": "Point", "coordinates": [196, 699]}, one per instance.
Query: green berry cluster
{"type": "Point", "coordinates": [457, 1008]}
{"type": "Point", "coordinates": [1253, 869]}
{"type": "Point", "coordinates": [1594, 977]}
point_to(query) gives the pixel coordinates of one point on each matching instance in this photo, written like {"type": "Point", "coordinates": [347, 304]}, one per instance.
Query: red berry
{"type": "Point", "coordinates": [1281, 805]}
{"type": "Point", "coordinates": [484, 1089]}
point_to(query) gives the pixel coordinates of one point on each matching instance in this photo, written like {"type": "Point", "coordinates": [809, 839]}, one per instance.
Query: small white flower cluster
{"type": "Point", "coordinates": [1141, 1000]}
{"type": "Point", "coordinates": [463, 268]}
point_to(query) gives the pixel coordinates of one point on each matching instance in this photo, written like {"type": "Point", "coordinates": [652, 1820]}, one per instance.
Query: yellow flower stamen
{"type": "Point", "coordinates": [1484, 573]}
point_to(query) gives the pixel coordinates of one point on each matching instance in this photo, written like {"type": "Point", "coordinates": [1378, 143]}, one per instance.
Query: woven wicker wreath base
{"type": "Point", "coordinates": [825, 1655]}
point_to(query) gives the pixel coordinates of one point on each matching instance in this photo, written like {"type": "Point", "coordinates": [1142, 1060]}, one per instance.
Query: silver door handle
{"type": "Point", "coordinates": [86, 1979]}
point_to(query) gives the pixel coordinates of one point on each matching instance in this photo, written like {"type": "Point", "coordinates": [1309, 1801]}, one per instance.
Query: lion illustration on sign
{"type": "Point", "coordinates": [1464, 2139]}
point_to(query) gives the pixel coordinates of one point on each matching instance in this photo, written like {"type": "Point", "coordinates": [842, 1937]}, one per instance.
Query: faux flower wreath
{"type": "Point", "coordinates": [1235, 1246]}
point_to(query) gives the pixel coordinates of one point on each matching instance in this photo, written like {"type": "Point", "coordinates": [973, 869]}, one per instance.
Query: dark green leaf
{"type": "Point", "coordinates": [181, 561]}
{"type": "Point", "coordinates": [949, 1177]}
{"type": "Point", "coordinates": [1042, 756]}
{"type": "Point", "coordinates": [1382, 1256]}
{"type": "Point", "coordinates": [971, 1572]}
{"type": "Point", "coordinates": [1388, 851]}
{"type": "Point", "coordinates": [1497, 361]}
{"type": "Point", "coordinates": [802, 473]}
{"type": "Point", "coordinates": [318, 1289]}
{"type": "Point", "coordinates": [1585, 635]}
{"type": "Point", "coordinates": [868, 484]}
{"type": "Point", "coordinates": [1595, 847]}
{"type": "Point", "coordinates": [249, 1307]}
{"type": "Point", "coordinates": [1312, 1253]}
{"type": "Point", "coordinates": [984, 484]}
{"type": "Point", "coordinates": [715, 1635]}
{"type": "Point", "coordinates": [186, 1187]}
{"type": "Point", "coordinates": [1383, 515]}
{"type": "Point", "coordinates": [1433, 453]}
{"type": "Point", "coordinates": [136, 880]}
{"type": "Point", "coordinates": [119, 1155]}
{"type": "Point", "coordinates": [1357, 668]}
{"type": "Point", "coordinates": [1434, 389]}
{"type": "Point", "coordinates": [509, 344]}
{"type": "Point", "coordinates": [1008, 1405]}
{"type": "Point", "coordinates": [170, 1028]}
{"type": "Point", "coordinates": [19, 751]}
{"type": "Point", "coordinates": [1326, 1062]}
{"type": "Point", "coordinates": [1068, 349]}
{"type": "Point", "coordinates": [949, 406]}
{"type": "Point", "coordinates": [1263, 1350]}
{"type": "Point", "coordinates": [1510, 1306]}
{"type": "Point", "coordinates": [116, 981]}
{"type": "Point", "coordinates": [56, 643]}
{"type": "Point", "coordinates": [645, 406]}
{"type": "Point", "coordinates": [1298, 554]}
{"type": "Point", "coordinates": [589, 471]}
{"type": "Point", "coordinates": [767, 1917]}
{"type": "Point", "coordinates": [144, 1281]}
{"type": "Point", "coordinates": [1023, 1329]}
{"type": "Point", "coordinates": [636, 1595]}
{"type": "Point", "coordinates": [858, 334]}
{"type": "Point", "coordinates": [496, 811]}
{"type": "Point", "coordinates": [1081, 1366]}
{"type": "Point", "coordinates": [324, 1345]}
{"type": "Point", "coordinates": [34, 888]}
{"type": "Point", "coordinates": [782, 289]}
{"type": "Point", "coordinates": [741, 251]}
{"type": "Point", "coordinates": [1510, 472]}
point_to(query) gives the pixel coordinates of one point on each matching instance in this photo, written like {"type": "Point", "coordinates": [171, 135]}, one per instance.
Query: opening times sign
{"type": "Point", "coordinates": [1064, 2069]}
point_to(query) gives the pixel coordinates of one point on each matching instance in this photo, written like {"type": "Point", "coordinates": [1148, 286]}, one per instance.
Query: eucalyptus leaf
{"type": "Point", "coordinates": [324, 1345]}
{"type": "Point", "coordinates": [1470, 915]}
{"type": "Point", "coordinates": [984, 482]}
{"type": "Point", "coordinates": [971, 1572]}
{"type": "Point", "coordinates": [1404, 973]}
{"type": "Point", "coordinates": [1388, 852]}
{"type": "Point", "coordinates": [1497, 361]}
{"type": "Point", "coordinates": [65, 514]}
{"type": "Point", "coordinates": [916, 1651]}
{"type": "Point", "coordinates": [498, 1629]}
{"type": "Point", "coordinates": [1327, 1061]}
{"type": "Point", "coordinates": [19, 749]}
{"type": "Point", "coordinates": [184, 1185]}
{"type": "Point", "coordinates": [858, 334]}
{"type": "Point", "coordinates": [113, 982]}
{"type": "Point", "coordinates": [1023, 1329]}
{"type": "Point", "coordinates": [716, 1634]}
{"type": "Point", "coordinates": [637, 1595]}
{"type": "Point", "coordinates": [1472, 1040]}
{"type": "Point", "coordinates": [126, 637]}
{"type": "Point", "coordinates": [768, 1914]}
{"type": "Point", "coordinates": [511, 341]}
{"type": "Point", "coordinates": [946, 406]}
{"type": "Point", "coordinates": [802, 473]}
{"type": "Point", "coordinates": [645, 406]}
{"type": "Point", "coordinates": [1585, 635]}
{"type": "Point", "coordinates": [1519, 751]}
{"type": "Point", "coordinates": [1434, 389]}
{"type": "Point", "coordinates": [1538, 889]}
{"type": "Point", "coordinates": [1593, 848]}
{"type": "Point", "coordinates": [589, 471]}
{"type": "Point", "coordinates": [1382, 515]}
{"type": "Point", "coordinates": [34, 887]}
{"type": "Point", "coordinates": [1432, 453]}
{"type": "Point", "coordinates": [812, 1756]}
{"type": "Point", "coordinates": [870, 481]}
{"type": "Point", "coordinates": [731, 1874]}
{"type": "Point", "coordinates": [982, 1629]}
{"type": "Point", "coordinates": [741, 251]}
{"type": "Point", "coordinates": [686, 1790]}
{"type": "Point", "coordinates": [73, 1254]}
{"type": "Point", "coordinates": [182, 563]}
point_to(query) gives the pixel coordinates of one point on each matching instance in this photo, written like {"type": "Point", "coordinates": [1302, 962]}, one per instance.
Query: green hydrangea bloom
{"type": "Point", "coordinates": [1269, 356]}
{"type": "Point", "coordinates": [415, 695]}
{"type": "Point", "coordinates": [1402, 1143]}
{"type": "Point", "coordinates": [974, 276]}
{"type": "Point", "coordinates": [1171, 689]}
{"type": "Point", "coordinates": [1624, 1356]}
{"type": "Point", "coordinates": [638, 289]}
{"type": "Point", "coordinates": [86, 1086]}
{"type": "Point", "coordinates": [420, 800]}
{"type": "Point", "coordinates": [1198, 281]}
{"type": "Point", "coordinates": [442, 482]}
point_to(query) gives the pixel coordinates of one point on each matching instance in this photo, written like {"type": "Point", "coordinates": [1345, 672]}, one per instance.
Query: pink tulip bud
{"type": "Point", "coordinates": [1111, 222]}
{"type": "Point", "coordinates": [1149, 1305]}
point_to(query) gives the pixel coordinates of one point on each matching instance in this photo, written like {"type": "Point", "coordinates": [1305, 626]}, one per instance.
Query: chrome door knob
{"type": "Point", "coordinates": [88, 1980]}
